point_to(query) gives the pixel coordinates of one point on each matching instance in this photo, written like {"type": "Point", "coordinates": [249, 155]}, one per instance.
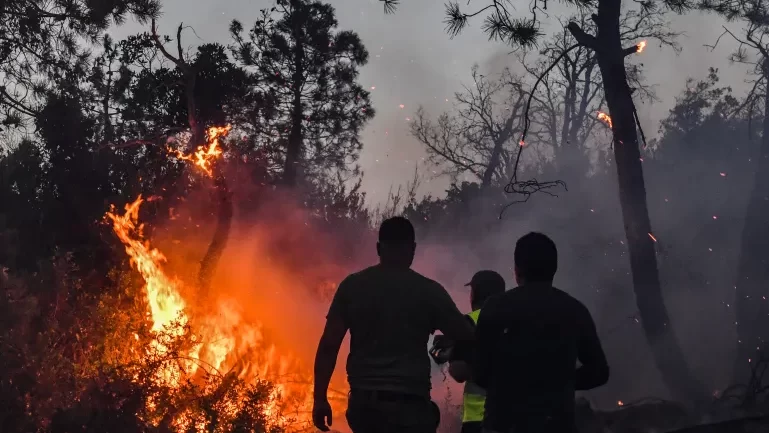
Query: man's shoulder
{"type": "Point", "coordinates": [424, 281]}
{"type": "Point", "coordinates": [569, 299]}
{"type": "Point", "coordinates": [378, 273]}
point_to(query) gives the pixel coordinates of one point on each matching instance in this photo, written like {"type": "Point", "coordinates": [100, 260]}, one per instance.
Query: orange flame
{"type": "Point", "coordinates": [204, 156]}
{"type": "Point", "coordinates": [225, 340]}
{"type": "Point", "coordinates": [640, 47]}
{"type": "Point", "coordinates": [605, 118]}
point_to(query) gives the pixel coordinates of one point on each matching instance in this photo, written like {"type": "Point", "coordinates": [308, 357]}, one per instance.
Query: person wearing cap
{"type": "Point", "coordinates": [483, 286]}
{"type": "Point", "coordinates": [390, 311]}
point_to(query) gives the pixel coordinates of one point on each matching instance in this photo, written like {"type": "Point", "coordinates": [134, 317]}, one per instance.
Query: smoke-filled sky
{"type": "Point", "coordinates": [413, 61]}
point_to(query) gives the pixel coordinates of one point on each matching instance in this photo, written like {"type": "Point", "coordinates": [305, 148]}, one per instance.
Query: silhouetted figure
{"type": "Point", "coordinates": [391, 311]}
{"type": "Point", "coordinates": [528, 342]}
{"type": "Point", "coordinates": [483, 286]}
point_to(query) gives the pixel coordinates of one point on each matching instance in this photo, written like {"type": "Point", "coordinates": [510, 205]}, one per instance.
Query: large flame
{"type": "Point", "coordinates": [227, 340]}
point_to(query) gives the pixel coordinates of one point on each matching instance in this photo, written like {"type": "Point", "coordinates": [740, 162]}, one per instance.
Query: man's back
{"type": "Point", "coordinates": [391, 313]}
{"type": "Point", "coordinates": [530, 339]}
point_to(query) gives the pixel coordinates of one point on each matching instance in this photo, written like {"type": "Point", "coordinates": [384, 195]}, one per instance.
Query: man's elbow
{"type": "Point", "coordinates": [602, 375]}
{"type": "Point", "coordinates": [599, 376]}
{"type": "Point", "coordinates": [481, 380]}
{"type": "Point", "coordinates": [459, 371]}
{"type": "Point", "coordinates": [328, 347]}
{"type": "Point", "coordinates": [592, 376]}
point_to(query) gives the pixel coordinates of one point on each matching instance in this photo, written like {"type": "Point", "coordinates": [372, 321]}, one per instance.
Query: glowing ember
{"type": "Point", "coordinates": [651, 236]}
{"type": "Point", "coordinates": [402, 106]}
{"type": "Point", "coordinates": [620, 403]}
{"type": "Point", "coordinates": [605, 118]}
{"type": "Point", "coordinates": [521, 143]}
{"type": "Point", "coordinates": [205, 155]}
{"type": "Point", "coordinates": [640, 47]}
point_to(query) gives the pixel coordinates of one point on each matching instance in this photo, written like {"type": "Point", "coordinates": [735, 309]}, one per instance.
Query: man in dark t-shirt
{"type": "Point", "coordinates": [529, 340]}
{"type": "Point", "coordinates": [390, 311]}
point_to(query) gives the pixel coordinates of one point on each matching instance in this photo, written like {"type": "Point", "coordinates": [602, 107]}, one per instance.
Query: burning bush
{"type": "Point", "coordinates": [70, 368]}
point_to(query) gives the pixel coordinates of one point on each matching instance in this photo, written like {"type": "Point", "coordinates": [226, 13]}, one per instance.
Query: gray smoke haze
{"type": "Point", "coordinates": [413, 62]}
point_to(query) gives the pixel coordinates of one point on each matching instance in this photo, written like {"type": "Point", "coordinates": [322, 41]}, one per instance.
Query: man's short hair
{"type": "Point", "coordinates": [484, 285]}
{"type": "Point", "coordinates": [396, 230]}
{"type": "Point", "coordinates": [536, 257]}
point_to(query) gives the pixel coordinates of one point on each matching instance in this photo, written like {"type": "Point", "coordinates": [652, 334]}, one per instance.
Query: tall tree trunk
{"type": "Point", "coordinates": [198, 136]}
{"type": "Point", "coordinates": [215, 249]}
{"type": "Point", "coordinates": [495, 161]}
{"type": "Point", "coordinates": [669, 357]}
{"type": "Point", "coordinates": [752, 286]}
{"type": "Point", "coordinates": [291, 170]}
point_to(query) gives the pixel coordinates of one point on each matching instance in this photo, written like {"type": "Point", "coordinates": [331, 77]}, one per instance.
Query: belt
{"type": "Point", "coordinates": [382, 395]}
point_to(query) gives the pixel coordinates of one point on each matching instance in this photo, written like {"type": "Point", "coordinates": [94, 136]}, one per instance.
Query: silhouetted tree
{"type": "Point", "coordinates": [479, 137]}
{"type": "Point", "coordinates": [502, 24]}
{"type": "Point", "coordinates": [570, 97]}
{"type": "Point", "coordinates": [41, 39]}
{"type": "Point", "coordinates": [752, 277]}
{"type": "Point", "coordinates": [308, 72]}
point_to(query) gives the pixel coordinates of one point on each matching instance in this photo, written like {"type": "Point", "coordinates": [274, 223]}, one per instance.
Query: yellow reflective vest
{"type": "Point", "coordinates": [474, 396]}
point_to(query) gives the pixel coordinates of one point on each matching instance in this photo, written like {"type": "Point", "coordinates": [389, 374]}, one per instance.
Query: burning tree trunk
{"type": "Point", "coordinates": [222, 191]}
{"type": "Point", "coordinates": [221, 234]}
{"type": "Point", "coordinates": [667, 352]}
{"type": "Point", "coordinates": [753, 269]}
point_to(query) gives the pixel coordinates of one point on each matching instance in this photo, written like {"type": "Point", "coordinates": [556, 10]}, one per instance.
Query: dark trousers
{"type": "Point", "coordinates": [536, 425]}
{"type": "Point", "coordinates": [472, 427]}
{"type": "Point", "coordinates": [389, 412]}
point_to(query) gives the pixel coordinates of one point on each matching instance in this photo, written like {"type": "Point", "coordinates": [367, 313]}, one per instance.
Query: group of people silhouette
{"type": "Point", "coordinates": [516, 352]}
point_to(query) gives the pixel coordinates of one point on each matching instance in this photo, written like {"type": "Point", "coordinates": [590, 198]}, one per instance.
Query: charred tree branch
{"type": "Point", "coordinates": [528, 187]}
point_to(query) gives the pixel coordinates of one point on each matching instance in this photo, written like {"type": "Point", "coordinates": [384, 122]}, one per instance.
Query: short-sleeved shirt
{"type": "Point", "coordinates": [391, 313]}
{"type": "Point", "coordinates": [528, 342]}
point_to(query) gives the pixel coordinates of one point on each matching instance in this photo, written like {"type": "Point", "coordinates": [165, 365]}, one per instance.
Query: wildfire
{"type": "Point", "coordinates": [224, 339]}
{"type": "Point", "coordinates": [204, 156]}
{"type": "Point", "coordinates": [640, 47]}
{"type": "Point", "coordinates": [605, 118]}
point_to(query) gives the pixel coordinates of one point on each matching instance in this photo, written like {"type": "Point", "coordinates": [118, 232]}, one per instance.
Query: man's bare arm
{"type": "Point", "coordinates": [328, 350]}
{"type": "Point", "coordinates": [449, 320]}
{"type": "Point", "coordinates": [331, 340]}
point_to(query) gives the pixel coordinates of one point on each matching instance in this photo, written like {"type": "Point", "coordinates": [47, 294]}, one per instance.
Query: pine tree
{"type": "Point", "coordinates": [308, 77]}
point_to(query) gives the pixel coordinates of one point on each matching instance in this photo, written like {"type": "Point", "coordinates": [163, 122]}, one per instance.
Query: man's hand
{"type": "Point", "coordinates": [321, 414]}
